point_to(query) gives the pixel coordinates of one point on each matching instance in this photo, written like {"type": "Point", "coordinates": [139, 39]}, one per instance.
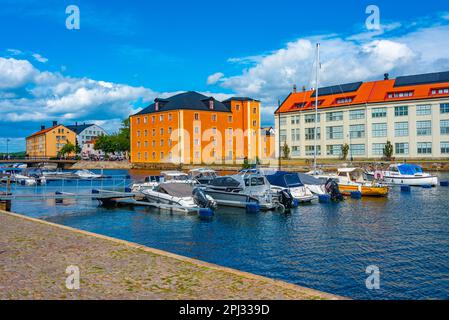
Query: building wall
{"type": "Point", "coordinates": [89, 134]}
{"type": "Point", "coordinates": [50, 143]}
{"type": "Point", "coordinates": [415, 116]}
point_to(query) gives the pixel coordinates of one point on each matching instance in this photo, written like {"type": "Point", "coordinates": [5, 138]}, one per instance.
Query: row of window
{"type": "Point", "coordinates": [197, 155]}
{"type": "Point", "coordinates": [377, 149]}
{"type": "Point", "coordinates": [359, 114]}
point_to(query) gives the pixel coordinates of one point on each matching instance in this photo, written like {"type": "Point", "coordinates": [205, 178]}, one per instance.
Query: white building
{"type": "Point", "coordinates": [411, 112]}
{"type": "Point", "coordinates": [87, 132]}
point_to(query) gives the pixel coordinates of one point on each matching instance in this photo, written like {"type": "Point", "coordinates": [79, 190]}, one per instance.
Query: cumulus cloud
{"type": "Point", "coordinates": [214, 78]}
{"type": "Point", "coordinates": [15, 73]}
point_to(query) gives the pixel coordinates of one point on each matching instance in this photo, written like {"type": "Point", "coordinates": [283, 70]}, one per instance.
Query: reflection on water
{"type": "Point", "coordinates": [322, 246]}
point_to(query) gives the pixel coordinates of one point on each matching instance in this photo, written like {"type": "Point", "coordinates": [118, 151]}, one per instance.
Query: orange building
{"type": "Point", "coordinates": [47, 142]}
{"type": "Point", "coordinates": [193, 128]}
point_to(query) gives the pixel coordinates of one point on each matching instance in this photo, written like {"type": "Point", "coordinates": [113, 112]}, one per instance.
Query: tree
{"type": "Point", "coordinates": [118, 142]}
{"type": "Point", "coordinates": [105, 144]}
{"type": "Point", "coordinates": [388, 151]}
{"type": "Point", "coordinates": [68, 148]}
{"type": "Point", "coordinates": [344, 151]}
{"type": "Point", "coordinates": [286, 151]}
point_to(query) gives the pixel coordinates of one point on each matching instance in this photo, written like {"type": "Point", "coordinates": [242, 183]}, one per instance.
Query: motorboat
{"type": "Point", "coordinates": [352, 179]}
{"type": "Point", "coordinates": [180, 194]}
{"type": "Point", "coordinates": [177, 177]}
{"type": "Point", "coordinates": [315, 185]}
{"type": "Point", "coordinates": [241, 190]}
{"type": "Point", "coordinates": [150, 182]}
{"type": "Point", "coordinates": [86, 174]}
{"type": "Point", "coordinates": [203, 175]}
{"type": "Point", "coordinates": [291, 181]}
{"type": "Point", "coordinates": [404, 174]}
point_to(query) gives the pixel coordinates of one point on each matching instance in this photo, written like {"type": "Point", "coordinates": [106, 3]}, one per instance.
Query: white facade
{"type": "Point", "coordinates": [90, 133]}
{"type": "Point", "coordinates": [418, 129]}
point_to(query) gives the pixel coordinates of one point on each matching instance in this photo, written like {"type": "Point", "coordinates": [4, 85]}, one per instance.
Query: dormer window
{"type": "Point", "coordinates": [299, 105]}
{"type": "Point", "coordinates": [344, 100]}
{"type": "Point", "coordinates": [401, 94]}
{"type": "Point", "coordinates": [313, 103]}
{"type": "Point", "coordinates": [439, 91]}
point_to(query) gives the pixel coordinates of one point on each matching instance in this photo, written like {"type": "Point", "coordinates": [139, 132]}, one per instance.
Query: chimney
{"type": "Point", "coordinates": [156, 106]}
{"type": "Point", "coordinates": [386, 76]}
{"type": "Point", "coordinates": [304, 89]}
{"type": "Point", "coordinates": [294, 88]}
{"type": "Point", "coordinates": [55, 123]}
{"type": "Point", "coordinates": [42, 127]}
{"type": "Point", "coordinates": [211, 104]}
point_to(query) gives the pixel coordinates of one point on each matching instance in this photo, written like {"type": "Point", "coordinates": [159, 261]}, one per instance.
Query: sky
{"type": "Point", "coordinates": [127, 53]}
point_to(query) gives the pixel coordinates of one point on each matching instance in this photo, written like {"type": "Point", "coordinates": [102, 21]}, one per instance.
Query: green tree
{"type": "Point", "coordinates": [105, 144]}
{"type": "Point", "coordinates": [344, 151]}
{"type": "Point", "coordinates": [68, 148]}
{"type": "Point", "coordinates": [388, 151]}
{"type": "Point", "coordinates": [286, 151]}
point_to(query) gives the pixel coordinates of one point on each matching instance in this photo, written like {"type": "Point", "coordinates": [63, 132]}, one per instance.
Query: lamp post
{"type": "Point", "coordinates": [350, 148]}
{"type": "Point", "coordinates": [7, 148]}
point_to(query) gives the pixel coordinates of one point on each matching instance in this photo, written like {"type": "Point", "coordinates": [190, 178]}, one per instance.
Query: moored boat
{"type": "Point", "coordinates": [404, 174]}
{"type": "Point", "coordinates": [290, 181]}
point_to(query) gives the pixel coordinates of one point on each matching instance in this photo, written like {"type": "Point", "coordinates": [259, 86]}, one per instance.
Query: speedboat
{"type": "Point", "coordinates": [315, 185]}
{"type": "Point", "coordinates": [86, 174]}
{"type": "Point", "coordinates": [241, 190]}
{"type": "Point", "coordinates": [177, 177]}
{"type": "Point", "coordinates": [150, 182]}
{"type": "Point", "coordinates": [203, 175]}
{"type": "Point", "coordinates": [290, 181]}
{"type": "Point", "coordinates": [352, 179]}
{"type": "Point", "coordinates": [404, 174]}
{"type": "Point", "coordinates": [180, 194]}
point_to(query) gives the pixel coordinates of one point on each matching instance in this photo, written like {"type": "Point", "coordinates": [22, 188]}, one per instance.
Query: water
{"type": "Point", "coordinates": [323, 246]}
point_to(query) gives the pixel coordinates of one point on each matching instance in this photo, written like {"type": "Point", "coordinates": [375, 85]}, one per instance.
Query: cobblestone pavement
{"type": "Point", "coordinates": [34, 256]}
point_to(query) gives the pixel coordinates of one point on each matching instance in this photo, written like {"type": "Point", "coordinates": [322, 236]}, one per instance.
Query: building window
{"type": "Point", "coordinates": [379, 113]}
{"type": "Point", "coordinates": [214, 117]}
{"type": "Point", "coordinates": [378, 149]}
{"type": "Point", "coordinates": [310, 150]}
{"type": "Point", "coordinates": [283, 121]}
{"type": "Point", "coordinates": [170, 142]}
{"type": "Point", "coordinates": [229, 118]}
{"type": "Point", "coordinates": [154, 155]}
{"type": "Point", "coordinates": [162, 131]}
{"type": "Point", "coordinates": [444, 126]}
{"type": "Point", "coordinates": [283, 135]}
{"type": "Point", "coordinates": [401, 148]}
{"type": "Point", "coordinates": [310, 118]}
{"type": "Point", "coordinates": [379, 130]}
{"type": "Point", "coordinates": [145, 133]}
{"type": "Point", "coordinates": [357, 131]}
{"type": "Point", "coordinates": [145, 119]}
{"type": "Point", "coordinates": [154, 132]}
{"type": "Point", "coordinates": [424, 110]}
{"type": "Point", "coordinates": [295, 134]}
{"type": "Point", "coordinates": [424, 128]}
{"type": "Point", "coordinates": [254, 110]}
{"type": "Point", "coordinates": [138, 133]}
{"type": "Point", "coordinates": [444, 147]}
{"type": "Point", "coordinates": [153, 143]}
{"type": "Point", "coordinates": [237, 107]}
{"type": "Point", "coordinates": [146, 155]}
{"type": "Point", "coordinates": [334, 132]}
{"type": "Point", "coordinates": [402, 94]}
{"type": "Point", "coordinates": [197, 154]}
{"type": "Point", "coordinates": [138, 155]}
{"type": "Point", "coordinates": [334, 116]}
{"type": "Point", "coordinates": [401, 129]}
{"type": "Point", "coordinates": [424, 147]}
{"type": "Point", "coordinates": [401, 111]}
{"type": "Point", "coordinates": [138, 120]}
{"type": "Point", "coordinates": [170, 130]}
{"type": "Point", "coordinates": [197, 116]}
{"type": "Point", "coordinates": [161, 118]}
{"type": "Point", "coordinates": [357, 149]}
{"type": "Point", "coordinates": [344, 100]}
{"type": "Point", "coordinates": [196, 130]}
{"type": "Point", "coordinates": [310, 133]}
{"type": "Point", "coordinates": [296, 151]}
{"type": "Point", "coordinates": [196, 142]}
{"type": "Point", "coordinates": [440, 91]}
{"type": "Point", "coordinates": [295, 120]}
{"type": "Point", "coordinates": [153, 119]}
{"type": "Point", "coordinates": [254, 123]}
{"type": "Point", "coordinates": [145, 144]}
{"type": "Point", "coordinates": [162, 142]}
{"type": "Point", "coordinates": [170, 156]}
{"type": "Point", "coordinates": [334, 150]}
{"type": "Point", "coordinates": [444, 108]}
{"type": "Point", "coordinates": [170, 117]}
{"type": "Point", "coordinates": [162, 155]}
{"type": "Point", "coordinates": [357, 114]}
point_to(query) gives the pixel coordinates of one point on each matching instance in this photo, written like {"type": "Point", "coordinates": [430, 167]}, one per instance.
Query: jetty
{"type": "Point", "coordinates": [35, 255]}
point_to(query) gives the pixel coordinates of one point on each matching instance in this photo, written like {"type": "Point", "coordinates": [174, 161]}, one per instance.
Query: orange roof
{"type": "Point", "coordinates": [46, 130]}
{"type": "Point", "coordinates": [369, 92]}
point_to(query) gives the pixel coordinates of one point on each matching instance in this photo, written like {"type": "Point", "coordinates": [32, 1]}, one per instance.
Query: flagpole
{"type": "Point", "coordinates": [316, 103]}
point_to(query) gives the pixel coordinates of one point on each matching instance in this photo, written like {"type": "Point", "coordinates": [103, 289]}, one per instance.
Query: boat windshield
{"type": "Point", "coordinates": [409, 169]}
{"type": "Point", "coordinates": [254, 181]}
{"type": "Point", "coordinates": [292, 180]}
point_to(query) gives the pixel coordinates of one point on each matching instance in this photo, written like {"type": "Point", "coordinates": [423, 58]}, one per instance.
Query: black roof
{"type": "Point", "coordinates": [190, 100]}
{"type": "Point", "coordinates": [79, 128]}
{"type": "Point", "coordinates": [240, 99]}
{"type": "Point", "coordinates": [342, 88]}
{"type": "Point", "coordinates": [418, 79]}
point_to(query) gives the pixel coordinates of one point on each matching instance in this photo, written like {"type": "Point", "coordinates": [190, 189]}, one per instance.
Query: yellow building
{"type": "Point", "coordinates": [47, 142]}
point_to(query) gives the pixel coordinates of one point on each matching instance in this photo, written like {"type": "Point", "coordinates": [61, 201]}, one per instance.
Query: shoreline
{"type": "Point", "coordinates": [38, 253]}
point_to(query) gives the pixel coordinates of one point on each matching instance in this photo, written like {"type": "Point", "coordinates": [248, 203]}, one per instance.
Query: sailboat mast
{"type": "Point", "coordinates": [316, 103]}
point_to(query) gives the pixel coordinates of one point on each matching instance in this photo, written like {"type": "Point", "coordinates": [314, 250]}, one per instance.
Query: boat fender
{"type": "Point", "coordinates": [324, 198]}
{"type": "Point", "coordinates": [406, 189]}
{"type": "Point", "coordinates": [356, 195]}
{"type": "Point", "coordinates": [205, 213]}
{"type": "Point", "coordinates": [378, 175]}
{"type": "Point", "coordinates": [444, 183]}
{"type": "Point", "coordinates": [295, 203]}
{"type": "Point", "coordinates": [252, 208]}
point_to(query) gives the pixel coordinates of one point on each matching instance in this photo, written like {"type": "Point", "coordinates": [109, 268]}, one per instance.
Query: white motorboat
{"type": "Point", "coordinates": [404, 174]}
{"type": "Point", "coordinates": [289, 180]}
{"type": "Point", "coordinates": [86, 174]}
{"type": "Point", "coordinates": [150, 182]}
{"type": "Point", "coordinates": [180, 194]}
{"type": "Point", "coordinates": [203, 175]}
{"type": "Point", "coordinates": [177, 177]}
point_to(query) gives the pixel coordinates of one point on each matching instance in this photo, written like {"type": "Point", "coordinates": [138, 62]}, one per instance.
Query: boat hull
{"type": "Point", "coordinates": [237, 200]}
{"type": "Point", "coordinates": [409, 180]}
{"type": "Point", "coordinates": [367, 191]}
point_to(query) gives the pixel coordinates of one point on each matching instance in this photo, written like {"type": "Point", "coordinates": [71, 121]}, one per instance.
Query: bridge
{"type": "Point", "coordinates": [32, 162]}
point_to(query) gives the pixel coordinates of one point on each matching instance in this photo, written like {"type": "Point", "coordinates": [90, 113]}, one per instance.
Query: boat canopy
{"type": "Point", "coordinates": [309, 180]}
{"type": "Point", "coordinates": [409, 169]}
{"type": "Point", "coordinates": [285, 179]}
{"type": "Point", "coordinates": [180, 190]}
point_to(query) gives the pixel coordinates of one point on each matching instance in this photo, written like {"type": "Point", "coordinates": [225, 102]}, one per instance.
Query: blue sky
{"type": "Point", "coordinates": [128, 52]}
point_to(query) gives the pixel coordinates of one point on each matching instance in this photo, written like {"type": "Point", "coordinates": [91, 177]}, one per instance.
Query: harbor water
{"type": "Point", "coordinates": [327, 247]}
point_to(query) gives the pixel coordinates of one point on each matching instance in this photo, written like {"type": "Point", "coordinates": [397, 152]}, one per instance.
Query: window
{"type": "Point", "coordinates": [154, 132]}
{"type": "Point", "coordinates": [334, 116]}
{"type": "Point", "coordinates": [295, 151]}
{"type": "Point", "coordinates": [237, 107]}
{"type": "Point", "coordinates": [197, 116]}
{"type": "Point", "coordinates": [310, 118]}
{"type": "Point", "coordinates": [440, 91]}
{"type": "Point", "coordinates": [401, 129]}
{"type": "Point", "coordinates": [444, 108]}
{"type": "Point", "coordinates": [299, 105]}
{"type": "Point", "coordinates": [402, 94]}
{"type": "Point", "coordinates": [313, 103]}
{"type": "Point", "coordinates": [197, 154]}
{"type": "Point", "coordinates": [401, 111]}
{"type": "Point", "coordinates": [254, 110]}
{"type": "Point", "coordinates": [295, 120]}
{"type": "Point", "coordinates": [283, 135]}
{"type": "Point", "coordinates": [145, 144]}
{"type": "Point", "coordinates": [162, 142]}
{"type": "Point", "coordinates": [344, 100]}
{"type": "Point", "coordinates": [170, 130]}
{"type": "Point", "coordinates": [229, 118]}
{"type": "Point", "coordinates": [154, 155]}
{"type": "Point", "coordinates": [334, 150]}
{"type": "Point", "coordinates": [283, 121]}
{"type": "Point", "coordinates": [170, 117]}
{"type": "Point", "coordinates": [424, 110]}
{"type": "Point", "coordinates": [145, 133]}
{"type": "Point", "coordinates": [310, 150]}
{"type": "Point", "coordinates": [254, 123]}
{"type": "Point", "coordinates": [310, 133]}
{"type": "Point", "coordinates": [153, 143]}
{"type": "Point", "coordinates": [161, 118]}
{"type": "Point", "coordinates": [379, 112]}
{"type": "Point", "coordinates": [153, 119]}
{"type": "Point", "coordinates": [196, 130]}
{"type": "Point", "coordinates": [145, 119]}
{"type": "Point", "coordinates": [138, 133]}
{"type": "Point", "coordinates": [138, 155]}
{"type": "Point", "coordinates": [162, 155]}
{"type": "Point", "coordinates": [214, 117]}
{"type": "Point", "coordinates": [378, 149]}
{"type": "Point", "coordinates": [401, 148]}
{"type": "Point", "coordinates": [424, 147]}
{"type": "Point", "coordinates": [295, 135]}
{"type": "Point", "coordinates": [196, 142]}
{"type": "Point", "coordinates": [162, 131]}
{"type": "Point", "coordinates": [138, 120]}
{"type": "Point", "coordinates": [334, 132]}
{"type": "Point", "coordinates": [356, 114]}
{"type": "Point", "coordinates": [444, 126]}
{"type": "Point", "coordinates": [444, 147]}
{"type": "Point", "coordinates": [357, 131]}
{"type": "Point", "coordinates": [379, 130]}
{"type": "Point", "coordinates": [357, 149]}
{"type": "Point", "coordinates": [424, 128]}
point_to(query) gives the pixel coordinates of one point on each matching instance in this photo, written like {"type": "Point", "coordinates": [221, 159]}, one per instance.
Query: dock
{"type": "Point", "coordinates": [35, 254]}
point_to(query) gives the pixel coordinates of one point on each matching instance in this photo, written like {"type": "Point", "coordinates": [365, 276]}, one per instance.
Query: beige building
{"type": "Point", "coordinates": [47, 142]}
{"type": "Point", "coordinates": [411, 112]}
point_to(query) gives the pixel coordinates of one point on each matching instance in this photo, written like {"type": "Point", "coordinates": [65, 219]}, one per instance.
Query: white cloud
{"type": "Point", "coordinates": [14, 52]}
{"type": "Point", "coordinates": [15, 73]}
{"type": "Point", "coordinates": [39, 58]}
{"type": "Point", "coordinates": [214, 78]}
